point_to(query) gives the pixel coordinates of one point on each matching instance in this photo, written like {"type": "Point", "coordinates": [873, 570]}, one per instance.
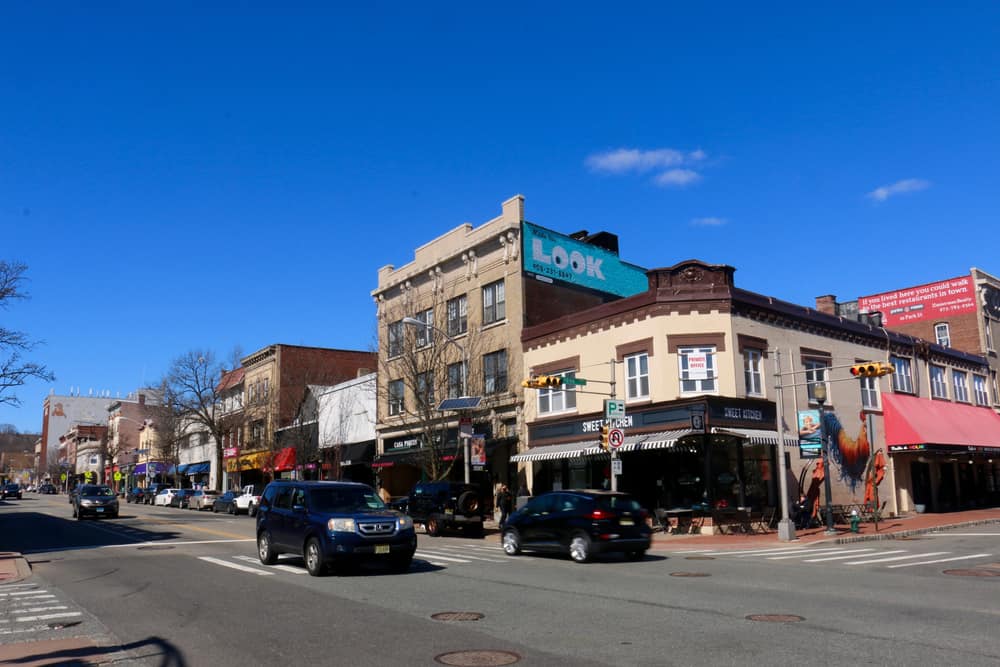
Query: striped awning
{"type": "Point", "coordinates": [657, 440]}
{"type": "Point", "coordinates": [758, 436]}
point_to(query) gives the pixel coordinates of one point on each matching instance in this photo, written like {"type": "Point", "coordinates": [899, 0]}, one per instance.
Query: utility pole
{"type": "Point", "coordinates": [614, 451]}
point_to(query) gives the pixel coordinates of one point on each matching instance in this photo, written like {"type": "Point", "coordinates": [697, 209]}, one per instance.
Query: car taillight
{"type": "Point", "coordinates": [597, 515]}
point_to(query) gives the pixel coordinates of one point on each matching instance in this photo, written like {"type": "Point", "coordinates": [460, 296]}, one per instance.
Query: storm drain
{"type": "Point", "coordinates": [458, 616]}
{"type": "Point", "coordinates": [477, 658]}
{"type": "Point", "coordinates": [775, 618]}
{"type": "Point", "coordinates": [699, 558]}
{"type": "Point", "coordinates": [973, 573]}
{"type": "Point", "coordinates": [690, 574]}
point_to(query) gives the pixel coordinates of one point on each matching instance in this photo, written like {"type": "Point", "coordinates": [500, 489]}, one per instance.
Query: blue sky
{"type": "Point", "coordinates": [178, 177]}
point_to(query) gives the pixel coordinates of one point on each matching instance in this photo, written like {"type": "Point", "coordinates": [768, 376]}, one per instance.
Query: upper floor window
{"type": "Point", "coordinates": [267, 386]}
{"type": "Point", "coordinates": [494, 303]}
{"type": "Point", "coordinates": [456, 379]}
{"type": "Point", "coordinates": [960, 381]}
{"type": "Point", "coordinates": [495, 372]}
{"type": "Point", "coordinates": [697, 369]}
{"type": "Point", "coordinates": [979, 388]}
{"type": "Point", "coordinates": [396, 397]}
{"type": "Point", "coordinates": [458, 315]}
{"type": "Point", "coordinates": [753, 373]}
{"type": "Point", "coordinates": [869, 393]}
{"type": "Point", "coordinates": [425, 333]}
{"type": "Point", "coordinates": [815, 374]}
{"type": "Point", "coordinates": [902, 380]}
{"type": "Point", "coordinates": [557, 400]}
{"type": "Point", "coordinates": [995, 386]}
{"type": "Point", "coordinates": [637, 375]}
{"type": "Point", "coordinates": [395, 338]}
{"type": "Point", "coordinates": [988, 324]}
{"type": "Point", "coordinates": [939, 387]}
{"type": "Point", "coordinates": [943, 334]}
{"type": "Point", "coordinates": [425, 391]}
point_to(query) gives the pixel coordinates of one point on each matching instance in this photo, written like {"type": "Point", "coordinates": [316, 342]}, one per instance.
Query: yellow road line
{"type": "Point", "coordinates": [210, 531]}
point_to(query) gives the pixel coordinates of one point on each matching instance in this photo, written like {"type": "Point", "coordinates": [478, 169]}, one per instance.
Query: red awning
{"type": "Point", "coordinates": [284, 459]}
{"type": "Point", "coordinates": [911, 421]}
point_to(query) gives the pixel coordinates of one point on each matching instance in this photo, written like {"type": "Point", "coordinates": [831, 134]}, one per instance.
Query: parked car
{"type": "Point", "coordinates": [47, 489]}
{"type": "Point", "coordinates": [96, 500]}
{"type": "Point", "coordinates": [151, 491]}
{"type": "Point", "coordinates": [181, 498]}
{"type": "Point", "coordinates": [330, 523]}
{"type": "Point", "coordinates": [164, 496]}
{"type": "Point", "coordinates": [10, 490]}
{"type": "Point", "coordinates": [249, 500]}
{"type": "Point", "coordinates": [203, 500]}
{"type": "Point", "coordinates": [226, 502]}
{"type": "Point", "coordinates": [580, 523]}
{"type": "Point", "coordinates": [135, 495]}
{"type": "Point", "coordinates": [447, 505]}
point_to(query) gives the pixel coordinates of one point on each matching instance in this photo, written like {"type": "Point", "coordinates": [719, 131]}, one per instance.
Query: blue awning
{"type": "Point", "coordinates": [196, 468]}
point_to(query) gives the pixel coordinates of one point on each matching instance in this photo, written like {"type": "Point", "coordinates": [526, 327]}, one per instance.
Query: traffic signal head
{"type": "Point", "coordinates": [542, 382]}
{"type": "Point", "coordinates": [604, 436]}
{"type": "Point", "coordinates": [871, 369]}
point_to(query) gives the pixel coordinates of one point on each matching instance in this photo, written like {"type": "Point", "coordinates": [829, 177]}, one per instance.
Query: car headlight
{"type": "Point", "coordinates": [340, 525]}
{"type": "Point", "coordinates": [86, 502]}
{"type": "Point", "coordinates": [405, 522]}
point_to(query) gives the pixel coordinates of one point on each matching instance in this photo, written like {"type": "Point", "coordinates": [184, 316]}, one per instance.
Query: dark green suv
{"type": "Point", "coordinates": [447, 505]}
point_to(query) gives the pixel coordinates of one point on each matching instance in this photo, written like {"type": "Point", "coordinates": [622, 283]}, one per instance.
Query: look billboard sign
{"type": "Point", "coordinates": [924, 302]}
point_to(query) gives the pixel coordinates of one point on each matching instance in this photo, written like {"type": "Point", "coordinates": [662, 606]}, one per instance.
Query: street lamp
{"type": "Point", "coordinates": [465, 381]}
{"type": "Point", "coordinates": [819, 393]}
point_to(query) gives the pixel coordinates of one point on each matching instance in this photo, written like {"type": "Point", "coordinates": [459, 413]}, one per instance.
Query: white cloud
{"type": "Point", "coordinates": [677, 178]}
{"type": "Point", "coordinates": [709, 222]}
{"type": "Point", "coordinates": [622, 160]}
{"type": "Point", "coordinates": [898, 188]}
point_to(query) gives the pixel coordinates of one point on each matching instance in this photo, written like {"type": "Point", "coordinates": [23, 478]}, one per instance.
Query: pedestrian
{"type": "Point", "coordinates": [384, 494]}
{"type": "Point", "coordinates": [505, 500]}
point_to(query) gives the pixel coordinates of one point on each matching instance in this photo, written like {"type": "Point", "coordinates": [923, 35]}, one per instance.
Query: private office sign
{"type": "Point", "coordinates": [554, 257]}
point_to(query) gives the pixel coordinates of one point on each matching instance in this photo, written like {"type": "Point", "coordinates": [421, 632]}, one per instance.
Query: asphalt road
{"type": "Point", "coordinates": [177, 587]}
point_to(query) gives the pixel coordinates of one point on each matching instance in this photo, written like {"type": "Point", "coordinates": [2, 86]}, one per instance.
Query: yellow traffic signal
{"type": "Point", "coordinates": [604, 436]}
{"type": "Point", "coordinates": [871, 369]}
{"type": "Point", "coordinates": [542, 382]}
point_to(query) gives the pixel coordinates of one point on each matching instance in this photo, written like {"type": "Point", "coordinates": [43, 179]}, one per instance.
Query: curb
{"type": "Point", "coordinates": [906, 533]}
{"type": "Point", "coordinates": [13, 567]}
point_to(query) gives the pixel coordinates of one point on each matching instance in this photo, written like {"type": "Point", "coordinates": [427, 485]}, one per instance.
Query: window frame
{"type": "Point", "coordinates": [979, 390]}
{"type": "Point", "coordinates": [938, 381]}
{"type": "Point", "coordinates": [424, 389]}
{"type": "Point", "coordinates": [701, 386]}
{"type": "Point", "coordinates": [565, 395]}
{"type": "Point", "coordinates": [457, 315]}
{"type": "Point", "coordinates": [870, 393]}
{"type": "Point", "coordinates": [462, 381]}
{"type": "Point", "coordinates": [498, 375]}
{"type": "Point", "coordinates": [816, 372]}
{"type": "Point", "coordinates": [424, 336]}
{"type": "Point", "coordinates": [637, 382]}
{"type": "Point", "coordinates": [902, 379]}
{"type": "Point", "coordinates": [396, 391]}
{"type": "Point", "coordinates": [497, 310]}
{"type": "Point", "coordinates": [394, 339]}
{"type": "Point", "coordinates": [945, 339]}
{"type": "Point", "coordinates": [753, 357]}
{"type": "Point", "coordinates": [960, 384]}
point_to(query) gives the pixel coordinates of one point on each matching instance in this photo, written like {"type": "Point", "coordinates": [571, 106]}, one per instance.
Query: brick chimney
{"type": "Point", "coordinates": [827, 304]}
{"type": "Point", "coordinates": [142, 399]}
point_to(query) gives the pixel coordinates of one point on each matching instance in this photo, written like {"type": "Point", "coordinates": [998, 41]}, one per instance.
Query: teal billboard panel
{"type": "Point", "coordinates": [554, 257]}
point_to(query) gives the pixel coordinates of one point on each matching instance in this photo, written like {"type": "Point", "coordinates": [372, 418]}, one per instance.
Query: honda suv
{"type": "Point", "coordinates": [580, 523]}
{"type": "Point", "coordinates": [445, 505]}
{"type": "Point", "coordinates": [332, 523]}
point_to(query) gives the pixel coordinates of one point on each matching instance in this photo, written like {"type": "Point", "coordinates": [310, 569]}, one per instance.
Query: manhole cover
{"type": "Point", "coordinates": [155, 547]}
{"type": "Point", "coordinates": [775, 618]}
{"type": "Point", "coordinates": [60, 626]}
{"type": "Point", "coordinates": [477, 658]}
{"type": "Point", "coordinates": [699, 558]}
{"type": "Point", "coordinates": [457, 616]}
{"type": "Point", "coordinates": [973, 573]}
{"type": "Point", "coordinates": [690, 574]}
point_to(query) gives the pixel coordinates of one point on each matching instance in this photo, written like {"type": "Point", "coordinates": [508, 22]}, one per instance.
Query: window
{"type": "Point", "coordinates": [424, 333]}
{"type": "Point", "coordinates": [752, 371]}
{"type": "Point", "coordinates": [979, 388]}
{"type": "Point", "coordinates": [458, 315]}
{"type": "Point", "coordinates": [869, 393]}
{"type": "Point", "coordinates": [960, 381]}
{"type": "Point", "coordinates": [816, 373]}
{"type": "Point", "coordinates": [939, 388]}
{"type": "Point", "coordinates": [988, 325]}
{"type": "Point", "coordinates": [942, 334]}
{"type": "Point", "coordinates": [396, 397]}
{"type": "Point", "coordinates": [425, 390]}
{"type": "Point", "coordinates": [902, 380]}
{"type": "Point", "coordinates": [456, 380]}
{"type": "Point", "coordinates": [697, 367]}
{"type": "Point", "coordinates": [637, 376]}
{"type": "Point", "coordinates": [557, 400]}
{"type": "Point", "coordinates": [257, 432]}
{"type": "Point", "coordinates": [995, 386]}
{"type": "Point", "coordinates": [494, 303]}
{"type": "Point", "coordinates": [495, 372]}
{"type": "Point", "coordinates": [267, 386]}
{"type": "Point", "coordinates": [395, 339]}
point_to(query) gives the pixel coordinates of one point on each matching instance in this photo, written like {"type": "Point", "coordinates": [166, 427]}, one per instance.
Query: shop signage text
{"type": "Point", "coordinates": [594, 425]}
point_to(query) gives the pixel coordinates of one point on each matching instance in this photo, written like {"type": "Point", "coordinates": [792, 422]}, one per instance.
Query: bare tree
{"type": "Point", "coordinates": [190, 390]}
{"type": "Point", "coordinates": [14, 370]}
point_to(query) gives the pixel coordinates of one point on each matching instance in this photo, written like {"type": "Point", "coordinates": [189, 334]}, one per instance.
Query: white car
{"type": "Point", "coordinates": [164, 497]}
{"type": "Point", "coordinates": [249, 500]}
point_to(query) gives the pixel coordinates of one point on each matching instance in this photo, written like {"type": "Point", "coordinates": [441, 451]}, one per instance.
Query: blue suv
{"type": "Point", "coordinates": [332, 523]}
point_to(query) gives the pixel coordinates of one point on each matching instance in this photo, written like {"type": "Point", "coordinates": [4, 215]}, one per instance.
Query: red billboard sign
{"type": "Point", "coordinates": [933, 301]}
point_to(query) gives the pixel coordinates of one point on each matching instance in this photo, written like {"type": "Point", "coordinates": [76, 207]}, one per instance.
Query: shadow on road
{"type": "Point", "coordinates": [33, 532]}
{"type": "Point", "coordinates": [148, 650]}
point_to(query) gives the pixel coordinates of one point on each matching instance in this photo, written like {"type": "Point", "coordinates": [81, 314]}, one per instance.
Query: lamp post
{"type": "Point", "coordinates": [465, 380]}
{"type": "Point", "coordinates": [819, 393]}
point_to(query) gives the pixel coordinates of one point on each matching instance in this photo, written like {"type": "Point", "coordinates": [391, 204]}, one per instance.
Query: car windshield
{"type": "Point", "coordinates": [96, 491]}
{"type": "Point", "coordinates": [344, 501]}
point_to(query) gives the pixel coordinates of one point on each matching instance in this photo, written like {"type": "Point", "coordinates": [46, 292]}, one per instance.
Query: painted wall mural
{"type": "Point", "coordinates": [850, 453]}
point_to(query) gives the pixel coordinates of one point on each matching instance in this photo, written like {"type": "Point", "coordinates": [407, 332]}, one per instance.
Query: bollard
{"type": "Point", "coordinates": [855, 522]}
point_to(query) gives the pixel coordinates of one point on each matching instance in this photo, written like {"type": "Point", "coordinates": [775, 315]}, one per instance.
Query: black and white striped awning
{"type": "Point", "coordinates": [658, 440]}
{"type": "Point", "coordinates": [755, 436]}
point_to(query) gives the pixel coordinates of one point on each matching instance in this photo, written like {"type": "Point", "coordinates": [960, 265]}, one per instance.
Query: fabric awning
{"type": "Point", "coordinates": [657, 440]}
{"type": "Point", "coordinates": [357, 453]}
{"type": "Point", "coordinates": [758, 436]}
{"type": "Point", "coordinates": [284, 459]}
{"type": "Point", "coordinates": [413, 456]}
{"type": "Point", "coordinates": [194, 468]}
{"type": "Point", "coordinates": [911, 421]}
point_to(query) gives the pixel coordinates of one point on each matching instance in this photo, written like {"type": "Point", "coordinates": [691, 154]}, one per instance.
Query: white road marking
{"type": "Point", "coordinates": [440, 557]}
{"type": "Point", "coordinates": [940, 560]}
{"type": "Point", "coordinates": [22, 593]}
{"type": "Point", "coordinates": [794, 552]}
{"type": "Point", "coordinates": [946, 534]}
{"type": "Point", "coordinates": [46, 617]}
{"type": "Point", "coordinates": [242, 568]}
{"type": "Point", "coordinates": [173, 544]}
{"type": "Point", "coordinates": [886, 560]}
{"type": "Point", "coordinates": [4, 587]}
{"type": "Point", "coordinates": [829, 552]}
{"type": "Point", "coordinates": [283, 568]}
{"type": "Point", "coordinates": [851, 554]}
{"type": "Point", "coordinates": [465, 555]}
{"type": "Point", "coordinates": [38, 609]}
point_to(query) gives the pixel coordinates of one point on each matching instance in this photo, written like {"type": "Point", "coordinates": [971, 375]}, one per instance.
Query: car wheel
{"type": "Point", "coordinates": [636, 555]}
{"type": "Point", "coordinates": [314, 558]}
{"type": "Point", "coordinates": [579, 548]}
{"type": "Point", "coordinates": [214, 510]}
{"type": "Point", "coordinates": [433, 527]}
{"type": "Point", "coordinates": [511, 542]}
{"type": "Point", "coordinates": [266, 552]}
{"type": "Point", "coordinates": [252, 510]}
{"type": "Point", "coordinates": [468, 503]}
{"type": "Point", "coordinates": [232, 510]}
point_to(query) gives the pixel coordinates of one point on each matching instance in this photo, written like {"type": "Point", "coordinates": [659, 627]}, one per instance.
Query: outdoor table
{"type": "Point", "coordinates": [680, 519]}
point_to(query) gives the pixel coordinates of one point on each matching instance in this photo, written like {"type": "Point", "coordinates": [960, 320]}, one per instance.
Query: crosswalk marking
{"type": "Point", "coordinates": [444, 558]}
{"type": "Point", "coordinates": [939, 560]}
{"type": "Point", "coordinates": [850, 554]}
{"type": "Point", "coordinates": [828, 552]}
{"type": "Point", "coordinates": [236, 566]}
{"type": "Point", "coordinates": [463, 555]}
{"type": "Point", "coordinates": [47, 617]}
{"type": "Point", "coordinates": [886, 560]}
{"type": "Point", "coordinates": [279, 566]}
{"type": "Point", "coordinates": [17, 593]}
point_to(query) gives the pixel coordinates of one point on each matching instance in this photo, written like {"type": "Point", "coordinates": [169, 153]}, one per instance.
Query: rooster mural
{"type": "Point", "coordinates": [851, 453]}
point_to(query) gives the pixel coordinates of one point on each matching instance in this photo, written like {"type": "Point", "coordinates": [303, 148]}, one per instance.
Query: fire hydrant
{"type": "Point", "coordinates": [855, 521]}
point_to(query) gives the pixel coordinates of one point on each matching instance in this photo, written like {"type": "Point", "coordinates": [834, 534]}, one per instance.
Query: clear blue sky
{"type": "Point", "coordinates": [180, 178]}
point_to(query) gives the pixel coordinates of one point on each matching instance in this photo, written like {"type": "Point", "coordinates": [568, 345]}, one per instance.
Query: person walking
{"type": "Point", "coordinates": [505, 499]}
{"type": "Point", "coordinates": [384, 494]}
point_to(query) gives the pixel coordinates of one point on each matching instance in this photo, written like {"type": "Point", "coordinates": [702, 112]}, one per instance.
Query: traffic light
{"type": "Point", "coordinates": [871, 369]}
{"type": "Point", "coordinates": [542, 382]}
{"type": "Point", "coordinates": [604, 436]}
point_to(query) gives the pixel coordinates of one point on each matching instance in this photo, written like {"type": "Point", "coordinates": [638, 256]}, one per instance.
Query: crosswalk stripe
{"type": "Point", "coordinates": [283, 568]}
{"type": "Point", "coordinates": [886, 560]}
{"type": "Point", "coordinates": [440, 557]}
{"type": "Point", "coordinates": [4, 587]}
{"type": "Point", "coordinates": [18, 593]}
{"type": "Point", "coordinates": [46, 617]}
{"type": "Point", "coordinates": [940, 560]}
{"type": "Point", "coordinates": [811, 551]}
{"type": "Point", "coordinates": [850, 554]}
{"type": "Point", "coordinates": [37, 609]}
{"type": "Point", "coordinates": [235, 566]}
{"type": "Point", "coordinates": [465, 555]}
{"type": "Point", "coordinates": [792, 552]}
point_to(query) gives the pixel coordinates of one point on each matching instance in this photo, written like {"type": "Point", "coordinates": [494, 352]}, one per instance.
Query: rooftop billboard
{"type": "Point", "coordinates": [934, 301]}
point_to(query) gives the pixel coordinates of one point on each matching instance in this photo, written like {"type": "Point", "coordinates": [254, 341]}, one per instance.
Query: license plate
{"type": "Point", "coordinates": [381, 548]}
{"type": "Point", "coordinates": [449, 512]}
{"type": "Point", "coordinates": [626, 522]}
{"type": "Point", "coordinates": [99, 509]}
